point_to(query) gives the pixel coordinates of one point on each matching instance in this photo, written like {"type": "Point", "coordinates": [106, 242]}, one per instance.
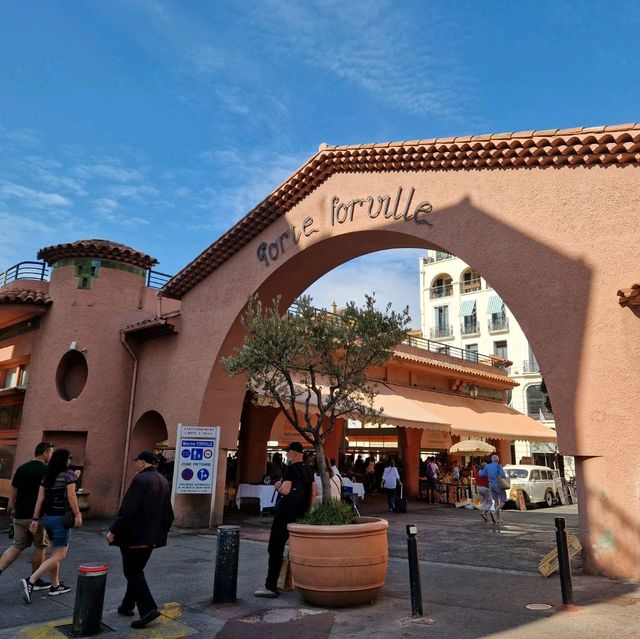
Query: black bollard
{"type": "Point", "coordinates": [226, 575]}
{"type": "Point", "coordinates": [87, 610]}
{"type": "Point", "coordinates": [414, 571]}
{"type": "Point", "coordinates": [564, 563]}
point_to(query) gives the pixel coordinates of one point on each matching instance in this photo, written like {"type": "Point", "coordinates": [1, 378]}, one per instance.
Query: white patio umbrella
{"type": "Point", "coordinates": [472, 447]}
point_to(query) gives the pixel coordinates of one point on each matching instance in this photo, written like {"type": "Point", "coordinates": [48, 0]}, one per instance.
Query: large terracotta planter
{"type": "Point", "coordinates": [339, 566]}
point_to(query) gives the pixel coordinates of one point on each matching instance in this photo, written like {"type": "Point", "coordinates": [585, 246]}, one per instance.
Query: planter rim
{"type": "Point", "coordinates": [364, 523]}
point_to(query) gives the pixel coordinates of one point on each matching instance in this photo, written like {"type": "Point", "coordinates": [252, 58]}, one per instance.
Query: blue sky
{"type": "Point", "coordinates": [159, 124]}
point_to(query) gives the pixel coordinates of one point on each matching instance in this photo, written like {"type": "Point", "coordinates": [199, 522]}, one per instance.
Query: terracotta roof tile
{"type": "Point", "coordinates": [553, 148]}
{"type": "Point", "coordinates": [24, 296]}
{"type": "Point", "coordinates": [99, 249]}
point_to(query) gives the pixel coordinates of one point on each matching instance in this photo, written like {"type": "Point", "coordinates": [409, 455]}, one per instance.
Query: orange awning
{"type": "Point", "coordinates": [476, 417]}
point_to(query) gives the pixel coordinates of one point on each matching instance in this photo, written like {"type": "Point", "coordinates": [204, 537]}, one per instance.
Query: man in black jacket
{"type": "Point", "coordinates": [143, 524]}
{"type": "Point", "coordinates": [297, 493]}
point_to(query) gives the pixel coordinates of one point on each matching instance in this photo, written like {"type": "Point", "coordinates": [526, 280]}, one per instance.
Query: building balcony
{"type": "Point", "coordinates": [470, 328]}
{"type": "Point", "coordinates": [438, 332]}
{"type": "Point", "coordinates": [470, 286]}
{"type": "Point", "coordinates": [499, 324]}
{"type": "Point", "coordinates": [441, 291]}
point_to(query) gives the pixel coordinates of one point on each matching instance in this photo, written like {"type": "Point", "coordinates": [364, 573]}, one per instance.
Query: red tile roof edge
{"type": "Point", "coordinates": [24, 296]}
{"type": "Point", "coordinates": [104, 249]}
{"type": "Point", "coordinates": [588, 146]}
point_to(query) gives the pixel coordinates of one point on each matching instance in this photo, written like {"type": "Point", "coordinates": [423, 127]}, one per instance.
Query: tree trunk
{"type": "Point", "coordinates": [323, 471]}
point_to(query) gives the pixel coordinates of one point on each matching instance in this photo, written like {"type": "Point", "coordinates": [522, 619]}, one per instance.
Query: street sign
{"type": "Point", "coordinates": [196, 460]}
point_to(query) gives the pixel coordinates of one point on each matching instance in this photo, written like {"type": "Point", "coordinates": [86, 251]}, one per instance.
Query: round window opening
{"type": "Point", "coordinates": [71, 375]}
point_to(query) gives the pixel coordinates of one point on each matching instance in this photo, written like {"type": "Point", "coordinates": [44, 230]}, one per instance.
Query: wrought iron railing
{"type": "Point", "coordinates": [469, 328]}
{"type": "Point", "coordinates": [25, 271]}
{"type": "Point", "coordinates": [441, 331]}
{"type": "Point", "coordinates": [469, 286]}
{"type": "Point", "coordinates": [499, 324]}
{"type": "Point", "coordinates": [421, 342]}
{"type": "Point", "coordinates": [155, 279]}
{"type": "Point", "coordinates": [441, 291]}
{"type": "Point", "coordinates": [40, 271]}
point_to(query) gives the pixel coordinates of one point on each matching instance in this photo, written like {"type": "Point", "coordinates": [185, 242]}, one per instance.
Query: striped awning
{"type": "Point", "coordinates": [495, 305]}
{"type": "Point", "coordinates": [468, 307]}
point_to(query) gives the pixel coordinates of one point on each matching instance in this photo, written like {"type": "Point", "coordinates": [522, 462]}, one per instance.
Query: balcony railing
{"type": "Point", "coordinates": [441, 291]}
{"type": "Point", "coordinates": [469, 286]}
{"type": "Point", "coordinates": [530, 366]}
{"type": "Point", "coordinates": [470, 328]}
{"type": "Point", "coordinates": [441, 331]}
{"type": "Point", "coordinates": [498, 324]}
{"type": "Point", "coordinates": [422, 343]}
{"type": "Point", "coordinates": [41, 272]}
{"type": "Point", "coordinates": [438, 257]}
{"type": "Point", "coordinates": [25, 271]}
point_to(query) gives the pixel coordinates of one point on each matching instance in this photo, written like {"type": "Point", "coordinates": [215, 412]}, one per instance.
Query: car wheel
{"type": "Point", "coordinates": [549, 499]}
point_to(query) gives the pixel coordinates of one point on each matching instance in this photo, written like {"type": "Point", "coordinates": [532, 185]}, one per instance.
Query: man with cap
{"type": "Point", "coordinates": [143, 524]}
{"type": "Point", "coordinates": [24, 493]}
{"type": "Point", "coordinates": [296, 492]}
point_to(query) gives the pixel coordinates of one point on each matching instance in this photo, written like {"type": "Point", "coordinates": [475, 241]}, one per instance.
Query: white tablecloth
{"type": "Point", "coordinates": [357, 487]}
{"type": "Point", "coordinates": [266, 495]}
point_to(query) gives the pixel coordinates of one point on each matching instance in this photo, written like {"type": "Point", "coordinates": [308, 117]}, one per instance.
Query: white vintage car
{"type": "Point", "coordinates": [539, 483]}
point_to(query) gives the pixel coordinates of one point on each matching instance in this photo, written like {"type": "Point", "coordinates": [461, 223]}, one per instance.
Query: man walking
{"type": "Point", "coordinates": [24, 493]}
{"type": "Point", "coordinates": [297, 493]}
{"type": "Point", "coordinates": [143, 524]}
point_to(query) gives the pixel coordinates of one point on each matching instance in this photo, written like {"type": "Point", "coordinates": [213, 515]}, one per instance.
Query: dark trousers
{"type": "Point", "coordinates": [134, 561]}
{"type": "Point", "coordinates": [277, 541]}
{"type": "Point", "coordinates": [391, 497]}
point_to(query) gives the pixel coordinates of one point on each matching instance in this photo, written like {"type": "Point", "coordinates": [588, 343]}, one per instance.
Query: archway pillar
{"type": "Point", "coordinates": [255, 429]}
{"type": "Point", "coordinates": [409, 440]}
{"type": "Point", "coordinates": [503, 450]}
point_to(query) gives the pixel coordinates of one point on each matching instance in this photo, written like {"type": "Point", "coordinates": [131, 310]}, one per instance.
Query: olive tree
{"type": "Point", "coordinates": [313, 365]}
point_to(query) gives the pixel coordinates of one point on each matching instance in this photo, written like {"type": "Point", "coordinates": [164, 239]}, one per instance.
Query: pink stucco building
{"type": "Point", "coordinates": [113, 366]}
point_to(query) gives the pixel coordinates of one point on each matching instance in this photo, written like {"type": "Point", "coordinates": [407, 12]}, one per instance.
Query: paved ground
{"type": "Point", "coordinates": [476, 580]}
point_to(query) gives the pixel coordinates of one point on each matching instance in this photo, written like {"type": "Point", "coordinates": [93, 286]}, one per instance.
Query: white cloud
{"type": "Point", "coordinates": [392, 275]}
{"type": "Point", "coordinates": [32, 197]}
{"type": "Point", "coordinates": [109, 171]}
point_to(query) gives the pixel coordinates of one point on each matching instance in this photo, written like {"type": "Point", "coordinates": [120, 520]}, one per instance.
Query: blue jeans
{"type": "Point", "coordinates": [58, 534]}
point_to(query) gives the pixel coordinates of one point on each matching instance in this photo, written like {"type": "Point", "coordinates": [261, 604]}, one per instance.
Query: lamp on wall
{"type": "Point", "coordinates": [473, 390]}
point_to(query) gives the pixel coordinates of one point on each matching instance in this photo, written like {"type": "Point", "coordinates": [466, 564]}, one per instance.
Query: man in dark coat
{"type": "Point", "coordinates": [143, 524]}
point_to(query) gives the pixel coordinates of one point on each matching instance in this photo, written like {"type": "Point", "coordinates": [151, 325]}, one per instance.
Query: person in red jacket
{"type": "Point", "coordinates": [143, 524]}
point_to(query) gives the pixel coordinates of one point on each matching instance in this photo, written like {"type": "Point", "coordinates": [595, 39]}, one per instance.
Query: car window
{"type": "Point", "coordinates": [546, 474]}
{"type": "Point", "coordinates": [535, 474]}
{"type": "Point", "coordinates": [556, 474]}
{"type": "Point", "coordinates": [512, 473]}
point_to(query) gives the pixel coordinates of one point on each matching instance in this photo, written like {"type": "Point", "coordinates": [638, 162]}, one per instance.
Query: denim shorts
{"type": "Point", "coordinates": [58, 534]}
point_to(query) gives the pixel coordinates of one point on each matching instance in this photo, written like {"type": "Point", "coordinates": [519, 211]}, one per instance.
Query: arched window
{"type": "Point", "coordinates": [442, 286]}
{"type": "Point", "coordinates": [470, 281]}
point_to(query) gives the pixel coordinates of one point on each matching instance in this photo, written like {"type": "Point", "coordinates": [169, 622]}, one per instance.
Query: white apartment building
{"type": "Point", "coordinates": [458, 307]}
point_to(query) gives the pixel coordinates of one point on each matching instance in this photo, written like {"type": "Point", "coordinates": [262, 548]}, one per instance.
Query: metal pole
{"type": "Point", "coordinates": [414, 571]}
{"type": "Point", "coordinates": [564, 562]}
{"type": "Point", "coordinates": [226, 576]}
{"type": "Point", "coordinates": [87, 610]}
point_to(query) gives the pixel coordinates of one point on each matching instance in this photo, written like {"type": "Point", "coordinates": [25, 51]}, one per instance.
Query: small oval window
{"type": "Point", "coordinates": [71, 375]}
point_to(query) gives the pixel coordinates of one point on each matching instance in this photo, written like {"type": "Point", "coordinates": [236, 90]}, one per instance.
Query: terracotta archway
{"type": "Point", "coordinates": [549, 218]}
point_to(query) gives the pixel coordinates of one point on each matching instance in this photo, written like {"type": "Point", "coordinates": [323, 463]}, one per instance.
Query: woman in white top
{"type": "Point", "coordinates": [335, 482]}
{"type": "Point", "coordinates": [390, 481]}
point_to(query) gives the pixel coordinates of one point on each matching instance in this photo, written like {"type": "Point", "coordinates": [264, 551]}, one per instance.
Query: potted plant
{"type": "Point", "coordinates": [313, 366]}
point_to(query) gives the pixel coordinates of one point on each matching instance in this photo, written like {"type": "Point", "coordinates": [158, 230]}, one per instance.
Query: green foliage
{"type": "Point", "coordinates": [332, 512]}
{"type": "Point", "coordinates": [313, 365]}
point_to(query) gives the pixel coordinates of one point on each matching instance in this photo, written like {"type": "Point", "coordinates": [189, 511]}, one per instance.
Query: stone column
{"type": "Point", "coordinates": [409, 440]}
{"type": "Point", "coordinates": [255, 428]}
